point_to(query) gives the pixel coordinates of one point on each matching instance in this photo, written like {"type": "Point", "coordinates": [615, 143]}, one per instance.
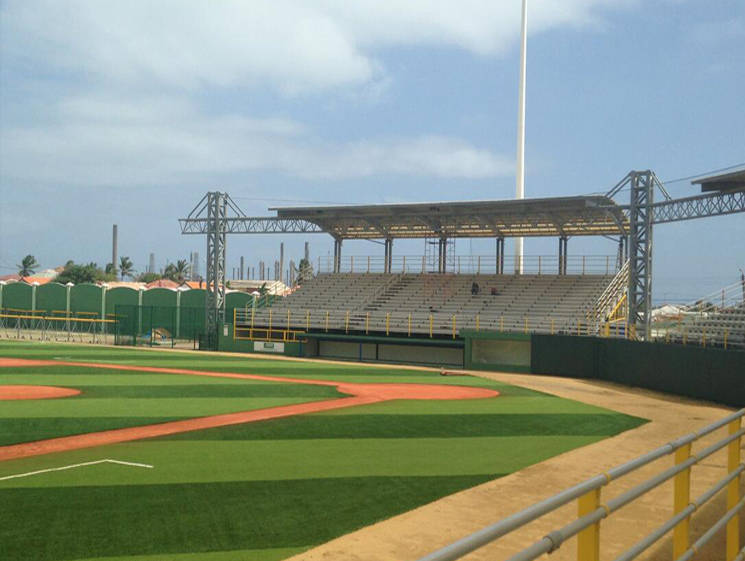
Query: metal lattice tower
{"type": "Point", "coordinates": [641, 217]}
{"type": "Point", "coordinates": [640, 251]}
{"type": "Point", "coordinates": [216, 206]}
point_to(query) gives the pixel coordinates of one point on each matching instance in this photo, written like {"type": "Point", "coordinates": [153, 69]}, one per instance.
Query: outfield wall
{"type": "Point", "coordinates": [702, 373]}
{"type": "Point", "coordinates": [99, 301]}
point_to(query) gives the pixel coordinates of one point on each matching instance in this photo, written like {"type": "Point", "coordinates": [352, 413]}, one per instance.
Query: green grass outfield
{"type": "Point", "coordinates": [260, 491]}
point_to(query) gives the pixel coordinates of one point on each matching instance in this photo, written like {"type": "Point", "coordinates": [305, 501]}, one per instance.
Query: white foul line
{"type": "Point", "coordinates": [75, 466]}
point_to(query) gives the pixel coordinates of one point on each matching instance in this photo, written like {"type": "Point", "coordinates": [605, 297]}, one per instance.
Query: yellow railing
{"type": "Point", "coordinates": [408, 324]}
{"type": "Point", "coordinates": [592, 509]}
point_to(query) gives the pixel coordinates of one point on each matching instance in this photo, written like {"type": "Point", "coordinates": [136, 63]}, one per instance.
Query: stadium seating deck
{"type": "Point", "coordinates": [714, 327]}
{"type": "Point", "coordinates": [407, 303]}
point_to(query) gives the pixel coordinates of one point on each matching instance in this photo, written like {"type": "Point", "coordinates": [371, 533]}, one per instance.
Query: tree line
{"type": "Point", "coordinates": [78, 273]}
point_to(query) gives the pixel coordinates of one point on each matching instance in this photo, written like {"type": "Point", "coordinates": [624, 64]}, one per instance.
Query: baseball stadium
{"type": "Point", "coordinates": [406, 408]}
{"type": "Point", "coordinates": [354, 356]}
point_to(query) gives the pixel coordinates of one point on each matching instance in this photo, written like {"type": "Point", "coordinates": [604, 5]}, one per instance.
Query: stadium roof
{"type": "Point", "coordinates": [590, 215]}
{"type": "Point", "coordinates": [732, 180]}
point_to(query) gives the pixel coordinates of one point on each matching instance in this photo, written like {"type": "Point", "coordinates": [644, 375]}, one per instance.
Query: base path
{"type": "Point", "coordinates": [360, 394]}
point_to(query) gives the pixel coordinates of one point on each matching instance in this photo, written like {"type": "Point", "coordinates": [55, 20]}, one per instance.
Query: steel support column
{"type": "Point", "coordinates": [216, 241]}
{"type": "Point", "coordinates": [443, 255]}
{"type": "Point", "coordinates": [500, 256]}
{"type": "Point", "coordinates": [641, 218]}
{"type": "Point", "coordinates": [388, 259]}
{"type": "Point", "coordinates": [563, 252]}
{"type": "Point", "coordinates": [622, 252]}
{"type": "Point", "coordinates": [337, 255]}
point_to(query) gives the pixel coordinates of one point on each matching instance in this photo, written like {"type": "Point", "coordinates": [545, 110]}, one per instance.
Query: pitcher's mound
{"type": "Point", "coordinates": [35, 392]}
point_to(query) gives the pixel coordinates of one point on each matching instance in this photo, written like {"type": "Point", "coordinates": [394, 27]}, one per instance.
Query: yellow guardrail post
{"type": "Point", "coordinates": [478, 322]}
{"type": "Point", "coordinates": [307, 320]}
{"type": "Point", "coordinates": [454, 326]}
{"type": "Point", "coordinates": [235, 320]}
{"type": "Point", "coordinates": [579, 323]}
{"type": "Point", "coordinates": [552, 326]}
{"type": "Point", "coordinates": [346, 323]}
{"type": "Point", "coordinates": [733, 491]}
{"type": "Point", "coordinates": [588, 540]}
{"type": "Point", "coordinates": [681, 500]}
{"type": "Point", "coordinates": [288, 319]}
{"type": "Point", "coordinates": [431, 325]}
{"type": "Point", "coordinates": [269, 334]}
{"type": "Point", "coordinates": [387, 323]}
{"type": "Point", "coordinates": [726, 332]}
{"type": "Point", "coordinates": [703, 337]}
{"type": "Point", "coordinates": [685, 336]}
{"type": "Point", "coordinates": [327, 321]}
{"type": "Point", "coordinates": [251, 331]}
{"type": "Point", "coordinates": [526, 325]}
{"type": "Point", "coordinates": [501, 324]}
{"type": "Point", "coordinates": [409, 325]}
{"type": "Point", "coordinates": [367, 323]}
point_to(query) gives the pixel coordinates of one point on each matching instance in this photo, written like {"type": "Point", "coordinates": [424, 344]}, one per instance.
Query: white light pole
{"type": "Point", "coordinates": [520, 190]}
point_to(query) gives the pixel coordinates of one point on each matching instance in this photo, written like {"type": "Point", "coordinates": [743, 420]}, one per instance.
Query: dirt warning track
{"type": "Point", "coordinates": [360, 394]}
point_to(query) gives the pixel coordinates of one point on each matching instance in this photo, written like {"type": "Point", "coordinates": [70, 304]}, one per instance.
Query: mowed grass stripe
{"type": "Point", "coordinates": [17, 431]}
{"type": "Point", "coordinates": [171, 407]}
{"type": "Point", "coordinates": [194, 361]}
{"type": "Point", "coordinates": [211, 461]}
{"type": "Point", "coordinates": [84, 522]}
{"type": "Point", "coordinates": [418, 426]}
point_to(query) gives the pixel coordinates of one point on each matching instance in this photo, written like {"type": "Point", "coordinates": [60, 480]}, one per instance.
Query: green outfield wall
{"type": "Point", "coordinates": [51, 297]}
{"type": "Point", "coordinates": [710, 374]}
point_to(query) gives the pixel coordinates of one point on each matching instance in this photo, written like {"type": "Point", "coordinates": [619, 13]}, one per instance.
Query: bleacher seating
{"type": "Point", "coordinates": [407, 303]}
{"type": "Point", "coordinates": [713, 327]}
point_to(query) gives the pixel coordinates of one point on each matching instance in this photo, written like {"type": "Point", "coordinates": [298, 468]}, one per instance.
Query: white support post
{"type": "Point", "coordinates": [520, 186]}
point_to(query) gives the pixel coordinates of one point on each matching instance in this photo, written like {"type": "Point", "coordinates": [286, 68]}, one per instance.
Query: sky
{"type": "Point", "coordinates": [127, 112]}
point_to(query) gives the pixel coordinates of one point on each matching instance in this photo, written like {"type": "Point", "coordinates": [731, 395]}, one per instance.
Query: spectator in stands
{"type": "Point", "coordinates": [474, 288]}
{"type": "Point", "coordinates": [494, 291]}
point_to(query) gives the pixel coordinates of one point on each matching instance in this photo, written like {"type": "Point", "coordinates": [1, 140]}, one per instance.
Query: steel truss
{"type": "Point", "coordinates": [217, 215]}
{"type": "Point", "coordinates": [701, 206]}
{"type": "Point", "coordinates": [249, 225]}
{"type": "Point", "coordinates": [217, 210]}
{"type": "Point", "coordinates": [642, 186]}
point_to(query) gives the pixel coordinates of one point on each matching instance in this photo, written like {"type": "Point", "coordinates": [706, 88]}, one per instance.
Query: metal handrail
{"type": "Point", "coordinates": [553, 541]}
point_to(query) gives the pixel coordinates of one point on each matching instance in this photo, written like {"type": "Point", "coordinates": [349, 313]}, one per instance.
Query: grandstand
{"type": "Point", "coordinates": [434, 305]}
{"type": "Point", "coordinates": [717, 319]}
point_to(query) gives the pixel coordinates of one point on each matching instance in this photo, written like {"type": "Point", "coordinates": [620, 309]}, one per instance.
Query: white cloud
{"type": "Point", "coordinates": [294, 46]}
{"type": "Point", "coordinates": [188, 50]}
{"type": "Point", "coordinates": [99, 141]}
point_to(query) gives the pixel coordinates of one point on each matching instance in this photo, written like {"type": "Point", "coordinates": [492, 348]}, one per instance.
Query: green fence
{"type": "Point", "coordinates": [151, 326]}
{"type": "Point", "coordinates": [702, 373]}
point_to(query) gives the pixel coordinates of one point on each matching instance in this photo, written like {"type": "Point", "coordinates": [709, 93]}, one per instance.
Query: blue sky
{"type": "Point", "coordinates": [127, 112]}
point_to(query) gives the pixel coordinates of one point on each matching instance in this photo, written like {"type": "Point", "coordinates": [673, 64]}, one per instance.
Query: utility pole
{"type": "Point", "coordinates": [520, 187]}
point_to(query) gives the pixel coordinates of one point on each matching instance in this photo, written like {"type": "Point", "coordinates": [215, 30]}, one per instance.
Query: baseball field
{"type": "Point", "coordinates": [123, 454]}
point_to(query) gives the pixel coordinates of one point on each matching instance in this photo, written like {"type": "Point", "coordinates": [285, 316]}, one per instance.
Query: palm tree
{"type": "Point", "coordinates": [181, 270]}
{"type": "Point", "coordinates": [125, 267]}
{"type": "Point", "coordinates": [28, 266]}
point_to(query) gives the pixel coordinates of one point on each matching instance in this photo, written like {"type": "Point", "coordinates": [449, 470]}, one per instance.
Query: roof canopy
{"type": "Point", "coordinates": [735, 179]}
{"type": "Point", "coordinates": [556, 216]}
